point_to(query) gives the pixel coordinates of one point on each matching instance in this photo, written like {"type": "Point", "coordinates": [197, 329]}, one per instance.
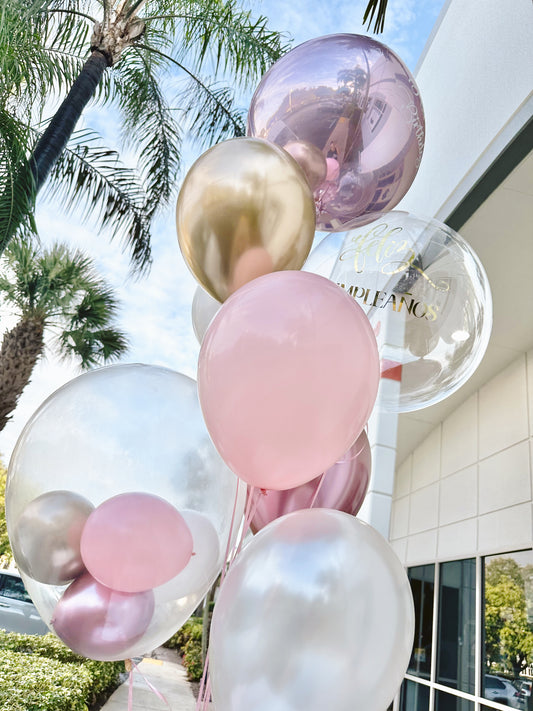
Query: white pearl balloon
{"type": "Point", "coordinates": [315, 614]}
{"type": "Point", "coordinates": [204, 308]}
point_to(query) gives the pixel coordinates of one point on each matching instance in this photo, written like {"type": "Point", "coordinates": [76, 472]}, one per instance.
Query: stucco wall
{"type": "Point", "coordinates": [490, 97]}
{"type": "Point", "coordinates": [467, 489]}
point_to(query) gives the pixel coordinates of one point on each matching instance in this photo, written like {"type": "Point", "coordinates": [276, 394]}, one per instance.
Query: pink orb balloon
{"type": "Point", "coordinates": [287, 377]}
{"type": "Point", "coordinates": [101, 623]}
{"type": "Point", "coordinates": [135, 541]}
{"type": "Point", "coordinates": [343, 488]}
{"type": "Point", "coordinates": [353, 99]}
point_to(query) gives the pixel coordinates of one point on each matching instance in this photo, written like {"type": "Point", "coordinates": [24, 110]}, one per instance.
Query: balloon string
{"type": "Point", "coordinates": [130, 666]}
{"type": "Point", "coordinates": [204, 685]}
{"type": "Point", "coordinates": [319, 486]}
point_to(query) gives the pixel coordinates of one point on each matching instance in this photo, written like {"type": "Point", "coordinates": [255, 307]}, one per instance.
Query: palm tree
{"type": "Point", "coordinates": [55, 291]}
{"type": "Point", "coordinates": [119, 57]}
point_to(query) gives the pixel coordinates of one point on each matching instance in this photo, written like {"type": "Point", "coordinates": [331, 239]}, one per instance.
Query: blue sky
{"type": "Point", "coordinates": [156, 311]}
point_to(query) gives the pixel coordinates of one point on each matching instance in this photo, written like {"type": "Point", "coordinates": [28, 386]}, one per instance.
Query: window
{"type": "Point", "coordinates": [473, 639]}
{"type": "Point", "coordinates": [13, 587]}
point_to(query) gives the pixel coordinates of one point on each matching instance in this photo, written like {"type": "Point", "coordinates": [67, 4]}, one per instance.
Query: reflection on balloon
{"type": "Point", "coordinates": [46, 537]}
{"type": "Point", "coordinates": [316, 613]}
{"type": "Point", "coordinates": [310, 160]}
{"type": "Point", "coordinates": [101, 623]}
{"type": "Point", "coordinates": [135, 541]}
{"type": "Point", "coordinates": [356, 102]}
{"type": "Point", "coordinates": [425, 287]}
{"type": "Point", "coordinates": [343, 487]}
{"type": "Point", "coordinates": [130, 428]}
{"type": "Point", "coordinates": [204, 307]}
{"type": "Point", "coordinates": [245, 209]}
{"type": "Point", "coordinates": [281, 407]}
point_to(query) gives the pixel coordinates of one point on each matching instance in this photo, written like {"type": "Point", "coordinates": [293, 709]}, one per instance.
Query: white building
{"type": "Point", "coordinates": [456, 478]}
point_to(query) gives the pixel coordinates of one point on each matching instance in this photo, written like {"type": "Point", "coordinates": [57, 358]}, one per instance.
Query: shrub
{"type": "Point", "coordinates": [43, 684]}
{"type": "Point", "coordinates": [188, 642]}
{"type": "Point", "coordinates": [192, 659]}
{"type": "Point", "coordinates": [191, 628]}
{"type": "Point", "coordinates": [14, 654]}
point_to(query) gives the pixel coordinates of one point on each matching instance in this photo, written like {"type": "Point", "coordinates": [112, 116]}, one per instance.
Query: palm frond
{"type": "Point", "coordinates": [222, 33]}
{"type": "Point", "coordinates": [149, 126]}
{"type": "Point", "coordinates": [17, 187]}
{"type": "Point", "coordinates": [377, 8]}
{"type": "Point", "coordinates": [91, 178]}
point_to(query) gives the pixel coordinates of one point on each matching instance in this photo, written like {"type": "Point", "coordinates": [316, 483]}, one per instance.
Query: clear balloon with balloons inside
{"type": "Point", "coordinates": [119, 509]}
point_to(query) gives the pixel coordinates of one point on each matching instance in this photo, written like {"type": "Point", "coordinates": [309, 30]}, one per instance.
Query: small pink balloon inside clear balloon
{"type": "Point", "coordinates": [101, 623]}
{"type": "Point", "coordinates": [342, 487]}
{"type": "Point", "coordinates": [135, 541]}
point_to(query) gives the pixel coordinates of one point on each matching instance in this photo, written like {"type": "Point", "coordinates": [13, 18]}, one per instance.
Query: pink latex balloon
{"type": "Point", "coordinates": [101, 623]}
{"type": "Point", "coordinates": [357, 103]}
{"type": "Point", "coordinates": [135, 541]}
{"type": "Point", "coordinates": [287, 377]}
{"type": "Point", "coordinates": [343, 488]}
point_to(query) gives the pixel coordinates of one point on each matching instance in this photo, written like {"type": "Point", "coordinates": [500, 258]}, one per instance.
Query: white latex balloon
{"type": "Point", "coordinates": [120, 429]}
{"type": "Point", "coordinates": [198, 571]}
{"type": "Point", "coordinates": [315, 614]}
{"type": "Point", "coordinates": [204, 308]}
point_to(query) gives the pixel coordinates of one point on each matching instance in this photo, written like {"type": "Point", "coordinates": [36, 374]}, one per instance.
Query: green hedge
{"type": "Point", "coordinates": [42, 674]}
{"type": "Point", "coordinates": [188, 642]}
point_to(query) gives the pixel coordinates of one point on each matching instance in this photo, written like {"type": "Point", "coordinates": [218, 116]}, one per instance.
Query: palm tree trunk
{"type": "Point", "coordinates": [32, 176]}
{"type": "Point", "coordinates": [21, 349]}
{"type": "Point", "coordinates": [59, 130]}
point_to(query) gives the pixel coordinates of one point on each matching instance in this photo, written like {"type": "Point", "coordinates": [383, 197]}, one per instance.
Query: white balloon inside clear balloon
{"type": "Point", "coordinates": [316, 613]}
{"type": "Point", "coordinates": [427, 296]}
{"type": "Point", "coordinates": [204, 308]}
{"type": "Point", "coordinates": [120, 429]}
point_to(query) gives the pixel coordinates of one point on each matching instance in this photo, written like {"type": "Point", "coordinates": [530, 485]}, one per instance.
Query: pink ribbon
{"type": "Point", "coordinates": [130, 666]}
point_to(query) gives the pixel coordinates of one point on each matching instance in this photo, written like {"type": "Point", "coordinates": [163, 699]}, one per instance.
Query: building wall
{"type": "Point", "coordinates": [467, 489]}
{"type": "Point", "coordinates": [481, 57]}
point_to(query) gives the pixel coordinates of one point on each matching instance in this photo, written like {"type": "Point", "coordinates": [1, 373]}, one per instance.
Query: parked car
{"type": "Point", "coordinates": [17, 611]}
{"type": "Point", "coordinates": [502, 691]}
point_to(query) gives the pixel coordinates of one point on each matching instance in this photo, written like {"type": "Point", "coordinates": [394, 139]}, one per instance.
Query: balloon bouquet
{"type": "Point", "coordinates": [120, 509]}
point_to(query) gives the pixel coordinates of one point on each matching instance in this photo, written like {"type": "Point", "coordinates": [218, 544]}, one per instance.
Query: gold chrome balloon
{"type": "Point", "coordinates": [245, 209]}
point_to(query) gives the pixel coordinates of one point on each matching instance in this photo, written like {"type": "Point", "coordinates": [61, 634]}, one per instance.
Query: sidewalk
{"type": "Point", "coordinates": [170, 680]}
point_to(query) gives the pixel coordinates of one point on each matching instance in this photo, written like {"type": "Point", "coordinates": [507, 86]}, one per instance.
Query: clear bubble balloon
{"type": "Point", "coordinates": [117, 430]}
{"type": "Point", "coordinates": [316, 613]}
{"type": "Point", "coordinates": [427, 295]}
{"type": "Point", "coordinates": [245, 209]}
{"type": "Point", "coordinates": [356, 102]}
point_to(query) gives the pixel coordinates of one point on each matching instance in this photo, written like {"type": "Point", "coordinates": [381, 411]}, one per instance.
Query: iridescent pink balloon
{"type": "Point", "coordinates": [353, 99]}
{"type": "Point", "coordinates": [101, 623]}
{"type": "Point", "coordinates": [135, 541]}
{"type": "Point", "coordinates": [343, 488]}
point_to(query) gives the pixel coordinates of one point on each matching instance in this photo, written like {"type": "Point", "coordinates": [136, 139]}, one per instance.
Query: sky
{"type": "Point", "coordinates": [156, 310]}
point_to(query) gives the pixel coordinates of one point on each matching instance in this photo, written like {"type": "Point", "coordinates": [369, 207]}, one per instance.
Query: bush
{"type": "Point", "coordinates": [191, 628]}
{"type": "Point", "coordinates": [42, 684]}
{"type": "Point", "coordinates": [50, 660]}
{"type": "Point", "coordinates": [188, 642]}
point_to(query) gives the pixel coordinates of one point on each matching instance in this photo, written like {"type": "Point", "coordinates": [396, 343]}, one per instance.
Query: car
{"type": "Point", "coordinates": [17, 611]}
{"type": "Point", "coordinates": [525, 687]}
{"type": "Point", "coordinates": [503, 691]}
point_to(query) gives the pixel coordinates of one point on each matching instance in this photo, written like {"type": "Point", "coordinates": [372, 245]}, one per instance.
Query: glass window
{"type": "Point", "coordinates": [415, 697]}
{"type": "Point", "coordinates": [508, 629]}
{"type": "Point", "coordinates": [457, 628]}
{"type": "Point", "coordinates": [13, 588]}
{"type": "Point", "coordinates": [448, 702]}
{"type": "Point", "coordinates": [422, 579]}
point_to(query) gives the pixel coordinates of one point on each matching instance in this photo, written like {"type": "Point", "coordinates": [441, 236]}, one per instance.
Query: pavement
{"type": "Point", "coordinates": [167, 676]}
